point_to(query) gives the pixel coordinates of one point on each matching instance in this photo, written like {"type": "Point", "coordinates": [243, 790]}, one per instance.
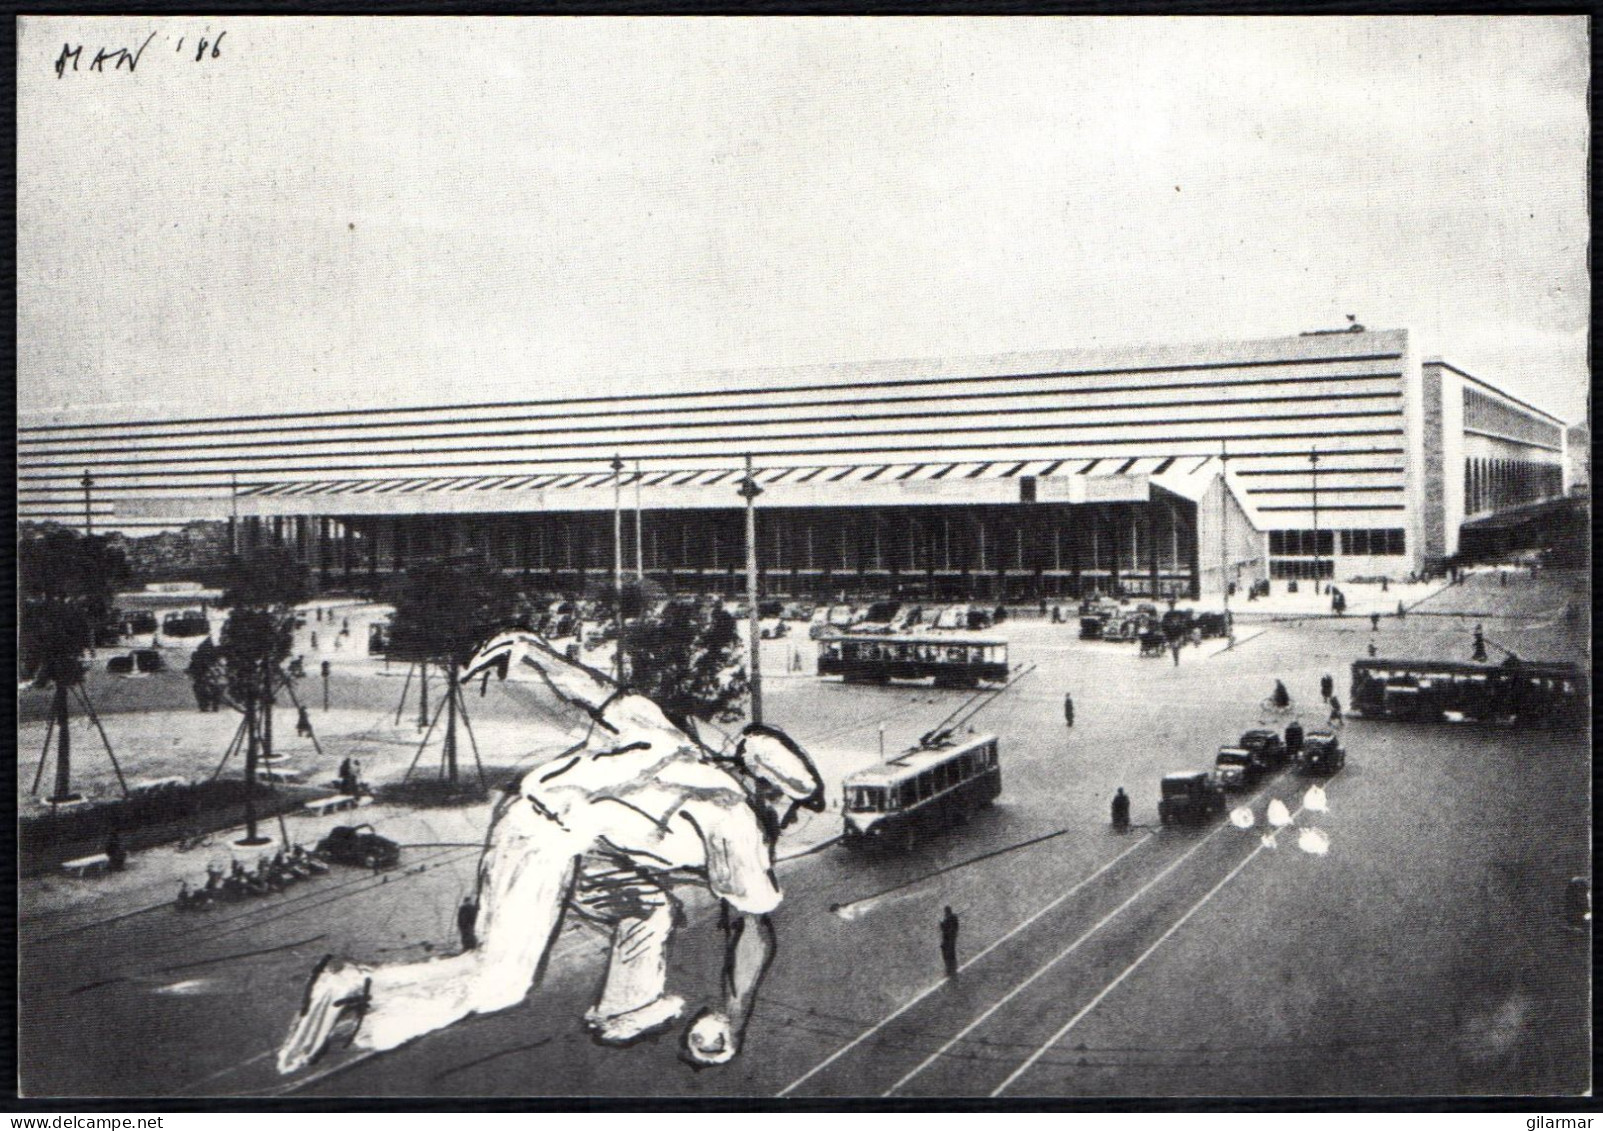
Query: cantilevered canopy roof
{"type": "Point", "coordinates": [929, 482]}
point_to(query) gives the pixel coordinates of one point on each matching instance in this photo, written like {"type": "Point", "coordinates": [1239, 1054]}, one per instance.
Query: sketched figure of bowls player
{"type": "Point", "coordinates": [604, 829]}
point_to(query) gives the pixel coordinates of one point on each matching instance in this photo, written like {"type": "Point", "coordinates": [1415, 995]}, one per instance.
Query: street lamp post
{"type": "Point", "coordinates": [88, 517]}
{"type": "Point", "coordinates": [749, 491]}
{"type": "Point", "coordinates": [617, 563]}
{"type": "Point", "coordinates": [640, 561]}
{"type": "Point", "coordinates": [1313, 459]}
{"type": "Point", "coordinates": [1224, 518]}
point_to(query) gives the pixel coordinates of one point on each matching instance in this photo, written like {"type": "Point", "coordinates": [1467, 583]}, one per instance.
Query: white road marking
{"type": "Point", "coordinates": [911, 1002]}
{"type": "Point", "coordinates": [1062, 954]}
{"type": "Point", "coordinates": [1111, 986]}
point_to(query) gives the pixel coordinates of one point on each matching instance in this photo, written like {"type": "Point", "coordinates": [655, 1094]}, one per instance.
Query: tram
{"type": "Point", "coordinates": [1436, 690]}
{"type": "Point", "coordinates": [952, 661]}
{"type": "Point", "coordinates": [922, 791]}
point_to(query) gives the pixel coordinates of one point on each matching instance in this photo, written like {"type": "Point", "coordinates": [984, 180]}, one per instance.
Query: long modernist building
{"type": "Point", "coordinates": [1153, 470]}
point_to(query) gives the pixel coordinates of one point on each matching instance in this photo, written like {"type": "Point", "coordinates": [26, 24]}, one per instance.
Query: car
{"type": "Point", "coordinates": [1213, 624]}
{"type": "Point", "coordinates": [1236, 768]}
{"type": "Point", "coordinates": [1268, 750]}
{"type": "Point", "coordinates": [1321, 754]}
{"type": "Point", "coordinates": [1192, 797]}
{"type": "Point", "coordinates": [359, 845]}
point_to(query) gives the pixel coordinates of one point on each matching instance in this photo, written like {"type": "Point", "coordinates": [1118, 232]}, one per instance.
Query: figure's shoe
{"type": "Point", "coordinates": [626, 1028]}
{"type": "Point", "coordinates": [334, 991]}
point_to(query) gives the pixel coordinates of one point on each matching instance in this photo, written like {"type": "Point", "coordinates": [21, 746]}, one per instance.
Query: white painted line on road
{"type": "Point", "coordinates": [1111, 986]}
{"type": "Point", "coordinates": [922, 994]}
{"type": "Point", "coordinates": [1062, 954]}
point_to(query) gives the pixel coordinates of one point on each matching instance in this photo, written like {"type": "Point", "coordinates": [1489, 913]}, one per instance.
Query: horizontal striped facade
{"type": "Point", "coordinates": [1334, 431]}
{"type": "Point", "coordinates": [1266, 404]}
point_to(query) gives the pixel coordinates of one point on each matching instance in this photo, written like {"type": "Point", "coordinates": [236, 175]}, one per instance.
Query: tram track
{"type": "Point", "coordinates": [1006, 1010]}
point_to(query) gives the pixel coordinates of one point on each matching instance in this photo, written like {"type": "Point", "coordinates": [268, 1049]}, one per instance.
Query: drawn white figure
{"type": "Point", "coordinates": [605, 829]}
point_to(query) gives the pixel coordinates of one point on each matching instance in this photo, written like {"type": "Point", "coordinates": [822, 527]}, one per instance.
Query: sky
{"type": "Point", "coordinates": [347, 212]}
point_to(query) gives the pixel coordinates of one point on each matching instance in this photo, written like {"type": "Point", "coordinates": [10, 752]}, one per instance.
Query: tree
{"type": "Point", "coordinates": [66, 584]}
{"type": "Point", "coordinates": [688, 659]}
{"type": "Point", "coordinates": [443, 612]}
{"type": "Point", "coordinates": [260, 593]}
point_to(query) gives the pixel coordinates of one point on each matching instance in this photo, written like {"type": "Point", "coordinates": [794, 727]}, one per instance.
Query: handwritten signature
{"type": "Point", "coordinates": [119, 58]}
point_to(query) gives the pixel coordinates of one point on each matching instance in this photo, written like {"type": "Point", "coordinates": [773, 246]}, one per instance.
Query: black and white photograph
{"type": "Point", "coordinates": [803, 559]}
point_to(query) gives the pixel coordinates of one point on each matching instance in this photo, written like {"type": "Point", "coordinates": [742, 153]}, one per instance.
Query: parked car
{"type": "Point", "coordinates": [1214, 624]}
{"type": "Point", "coordinates": [1321, 754]}
{"type": "Point", "coordinates": [190, 622]}
{"type": "Point", "coordinates": [359, 845]}
{"type": "Point", "coordinates": [1236, 768]}
{"type": "Point", "coordinates": [1268, 749]}
{"type": "Point", "coordinates": [1190, 798]}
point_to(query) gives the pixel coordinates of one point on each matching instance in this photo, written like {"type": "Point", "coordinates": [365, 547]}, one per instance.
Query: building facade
{"type": "Point", "coordinates": [1170, 469]}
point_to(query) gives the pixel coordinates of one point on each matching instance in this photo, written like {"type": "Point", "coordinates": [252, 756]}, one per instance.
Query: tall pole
{"type": "Point", "coordinates": [617, 563]}
{"type": "Point", "coordinates": [640, 562]}
{"type": "Point", "coordinates": [1224, 518]}
{"type": "Point", "coordinates": [749, 491]}
{"type": "Point", "coordinates": [88, 518]}
{"type": "Point", "coordinates": [1313, 458]}
{"type": "Point", "coordinates": [233, 525]}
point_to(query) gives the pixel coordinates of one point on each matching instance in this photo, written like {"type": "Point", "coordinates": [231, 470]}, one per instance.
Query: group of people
{"type": "Point", "coordinates": [271, 874]}
{"type": "Point", "coordinates": [349, 781]}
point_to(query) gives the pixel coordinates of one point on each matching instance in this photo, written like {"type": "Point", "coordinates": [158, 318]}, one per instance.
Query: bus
{"type": "Point", "coordinates": [921, 791]}
{"type": "Point", "coordinates": [952, 661]}
{"type": "Point", "coordinates": [1436, 691]}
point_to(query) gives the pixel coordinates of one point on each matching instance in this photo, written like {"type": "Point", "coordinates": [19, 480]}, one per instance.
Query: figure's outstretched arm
{"type": "Point", "coordinates": [629, 717]}
{"type": "Point", "coordinates": [715, 1036]}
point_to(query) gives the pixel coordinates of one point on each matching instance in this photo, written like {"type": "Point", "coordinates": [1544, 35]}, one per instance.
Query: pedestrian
{"type": "Point", "coordinates": [1068, 709]}
{"type": "Point", "coordinates": [1479, 655]}
{"type": "Point", "coordinates": [1174, 647]}
{"type": "Point", "coordinates": [949, 929]}
{"type": "Point", "coordinates": [1327, 686]}
{"type": "Point", "coordinates": [1373, 651]}
{"type": "Point", "coordinates": [1281, 697]}
{"type": "Point", "coordinates": [314, 641]}
{"type": "Point", "coordinates": [466, 916]}
{"type": "Point", "coordinates": [347, 779]}
{"type": "Point", "coordinates": [1335, 711]}
{"type": "Point", "coordinates": [116, 854]}
{"type": "Point", "coordinates": [1384, 588]}
{"type": "Point", "coordinates": [303, 724]}
{"type": "Point", "coordinates": [607, 832]}
{"type": "Point", "coordinates": [1374, 622]}
{"type": "Point", "coordinates": [1121, 811]}
{"type": "Point", "coordinates": [1294, 738]}
{"type": "Point", "coordinates": [1401, 612]}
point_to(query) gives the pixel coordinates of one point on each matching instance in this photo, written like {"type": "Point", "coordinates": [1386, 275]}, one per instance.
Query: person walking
{"type": "Point", "coordinates": [1374, 622]}
{"type": "Point", "coordinates": [1479, 654]}
{"type": "Point", "coordinates": [1174, 647]}
{"type": "Point", "coordinates": [1068, 709]}
{"type": "Point", "coordinates": [1327, 686]}
{"type": "Point", "coordinates": [116, 854]}
{"type": "Point", "coordinates": [949, 929]}
{"type": "Point", "coordinates": [1121, 811]}
{"type": "Point", "coordinates": [1281, 698]}
{"type": "Point", "coordinates": [1401, 612]}
{"type": "Point", "coordinates": [1294, 737]}
{"type": "Point", "coordinates": [1335, 712]}
{"type": "Point", "coordinates": [466, 917]}
{"type": "Point", "coordinates": [303, 724]}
